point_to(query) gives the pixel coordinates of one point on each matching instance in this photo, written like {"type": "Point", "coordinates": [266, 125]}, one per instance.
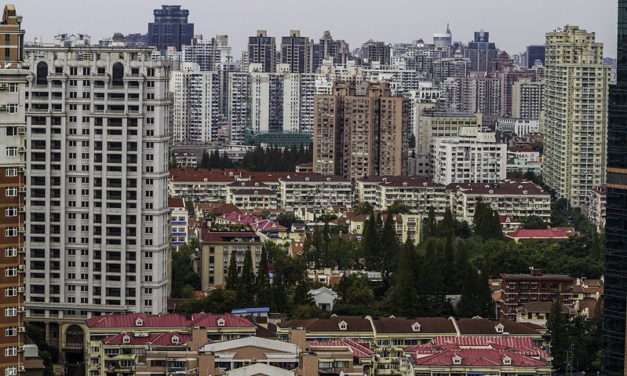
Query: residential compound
{"type": "Point", "coordinates": [471, 157]}
{"type": "Point", "coordinates": [225, 344]}
{"type": "Point", "coordinates": [576, 114]}
{"type": "Point", "coordinates": [13, 79]}
{"type": "Point", "coordinates": [360, 135]}
{"type": "Point", "coordinates": [96, 234]}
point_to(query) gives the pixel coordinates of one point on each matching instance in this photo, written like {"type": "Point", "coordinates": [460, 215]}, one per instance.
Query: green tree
{"type": "Point", "coordinates": [387, 255]}
{"type": "Point", "coordinates": [263, 287]}
{"type": "Point", "coordinates": [557, 325]}
{"type": "Point", "coordinates": [486, 222]}
{"type": "Point", "coordinates": [446, 227]}
{"type": "Point", "coordinates": [397, 207]}
{"type": "Point", "coordinates": [189, 205]}
{"type": "Point", "coordinates": [204, 160]}
{"type": "Point", "coordinates": [185, 281]}
{"type": "Point", "coordinates": [172, 161]}
{"type": "Point", "coordinates": [370, 242]}
{"type": "Point", "coordinates": [533, 222]}
{"type": "Point", "coordinates": [286, 220]}
{"type": "Point", "coordinates": [402, 298]}
{"type": "Point", "coordinates": [364, 207]}
{"type": "Point", "coordinates": [246, 288]}
{"type": "Point", "coordinates": [232, 277]}
{"type": "Point", "coordinates": [431, 225]}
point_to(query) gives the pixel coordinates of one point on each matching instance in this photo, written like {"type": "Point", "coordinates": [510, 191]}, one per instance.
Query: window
{"type": "Point", "coordinates": [10, 291]}
{"type": "Point", "coordinates": [10, 212]}
{"type": "Point", "coordinates": [11, 331]}
{"type": "Point", "coordinates": [10, 311]}
{"type": "Point", "coordinates": [11, 151]}
{"type": "Point", "coordinates": [10, 351]}
{"type": "Point", "coordinates": [10, 271]}
{"type": "Point", "coordinates": [10, 252]}
{"type": "Point", "coordinates": [11, 171]}
{"type": "Point", "coordinates": [10, 232]}
{"type": "Point", "coordinates": [12, 108]}
{"type": "Point", "coordinates": [10, 191]}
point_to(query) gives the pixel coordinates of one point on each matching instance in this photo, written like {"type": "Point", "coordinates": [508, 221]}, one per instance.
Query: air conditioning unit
{"type": "Point", "coordinates": [21, 130]}
{"type": "Point", "coordinates": [21, 309]}
{"type": "Point", "coordinates": [22, 189]}
{"type": "Point", "coordinates": [21, 209]}
{"type": "Point", "coordinates": [21, 169]}
{"type": "Point", "coordinates": [22, 230]}
{"type": "Point", "coordinates": [21, 149]}
{"type": "Point", "coordinates": [20, 290]}
{"type": "Point", "coordinates": [3, 108]}
{"type": "Point", "coordinates": [21, 369]}
{"type": "Point", "coordinates": [21, 250]}
{"type": "Point", "coordinates": [21, 329]}
{"type": "Point", "coordinates": [20, 349]}
{"type": "Point", "coordinates": [21, 268]}
{"type": "Point", "coordinates": [4, 87]}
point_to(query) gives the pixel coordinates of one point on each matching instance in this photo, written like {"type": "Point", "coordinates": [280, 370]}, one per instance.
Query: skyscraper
{"type": "Point", "coordinates": [480, 52]}
{"type": "Point", "coordinates": [376, 51]}
{"type": "Point", "coordinates": [575, 121]}
{"type": "Point", "coordinates": [296, 51]}
{"type": "Point", "coordinates": [262, 50]}
{"type": "Point", "coordinates": [326, 48]}
{"type": "Point", "coordinates": [615, 302]}
{"type": "Point", "coordinates": [535, 53]}
{"type": "Point", "coordinates": [170, 29]}
{"type": "Point", "coordinates": [12, 161]}
{"type": "Point", "coordinates": [96, 195]}
{"type": "Point", "coordinates": [360, 134]}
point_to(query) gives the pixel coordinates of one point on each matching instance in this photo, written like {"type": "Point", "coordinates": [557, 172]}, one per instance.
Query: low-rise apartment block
{"type": "Point", "coordinates": [178, 222]}
{"type": "Point", "coordinates": [418, 193]}
{"type": "Point", "coordinates": [315, 191]}
{"type": "Point", "coordinates": [597, 200]}
{"type": "Point", "coordinates": [471, 157]}
{"type": "Point", "coordinates": [514, 198]}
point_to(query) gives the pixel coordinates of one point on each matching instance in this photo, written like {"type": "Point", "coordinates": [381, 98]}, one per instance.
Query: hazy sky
{"type": "Point", "coordinates": [513, 24]}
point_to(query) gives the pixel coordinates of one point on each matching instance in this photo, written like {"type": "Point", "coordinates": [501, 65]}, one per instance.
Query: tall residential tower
{"type": "Point", "coordinates": [575, 121]}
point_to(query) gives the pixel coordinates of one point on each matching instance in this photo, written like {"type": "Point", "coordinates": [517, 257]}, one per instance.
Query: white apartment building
{"type": "Point", "coordinates": [97, 158]}
{"type": "Point", "coordinates": [315, 192]}
{"type": "Point", "coordinates": [514, 198]}
{"type": "Point", "coordinates": [472, 157]}
{"type": "Point", "coordinates": [527, 99]}
{"type": "Point", "coordinates": [595, 209]}
{"type": "Point", "coordinates": [441, 124]}
{"type": "Point", "coordinates": [266, 100]}
{"type": "Point", "coordinates": [239, 109]}
{"type": "Point", "coordinates": [196, 105]}
{"type": "Point", "coordinates": [298, 101]}
{"type": "Point", "coordinates": [417, 192]}
{"type": "Point", "coordinates": [517, 126]}
{"type": "Point", "coordinates": [178, 222]}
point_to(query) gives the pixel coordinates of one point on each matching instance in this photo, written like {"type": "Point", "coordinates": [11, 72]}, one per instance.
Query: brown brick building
{"type": "Point", "coordinates": [12, 149]}
{"type": "Point", "coordinates": [360, 131]}
{"type": "Point", "coordinates": [521, 289]}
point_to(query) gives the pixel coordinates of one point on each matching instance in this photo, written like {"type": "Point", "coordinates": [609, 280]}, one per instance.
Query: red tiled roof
{"type": "Point", "coordinates": [524, 346]}
{"type": "Point", "coordinates": [210, 320]}
{"type": "Point", "coordinates": [128, 320]}
{"type": "Point", "coordinates": [193, 175]}
{"type": "Point", "coordinates": [404, 325]}
{"type": "Point", "coordinates": [443, 356]}
{"type": "Point", "coordinates": [353, 324]}
{"type": "Point", "coordinates": [248, 184]}
{"type": "Point", "coordinates": [488, 327]}
{"type": "Point", "coordinates": [217, 236]}
{"type": "Point", "coordinates": [602, 189]}
{"type": "Point", "coordinates": [256, 192]}
{"type": "Point", "coordinates": [176, 203]}
{"type": "Point", "coordinates": [504, 187]}
{"type": "Point", "coordinates": [359, 349]}
{"type": "Point", "coordinates": [153, 338]}
{"type": "Point", "coordinates": [398, 181]}
{"type": "Point", "coordinates": [539, 234]}
{"type": "Point", "coordinates": [300, 177]}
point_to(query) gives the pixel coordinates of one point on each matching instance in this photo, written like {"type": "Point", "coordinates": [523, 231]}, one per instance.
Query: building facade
{"type": "Point", "coordinates": [170, 28]}
{"type": "Point", "coordinates": [527, 99]}
{"type": "Point", "coordinates": [575, 107]}
{"type": "Point", "coordinates": [361, 135]}
{"type": "Point", "coordinates": [13, 78]}
{"type": "Point", "coordinates": [615, 301]}
{"type": "Point", "coordinates": [297, 51]}
{"type": "Point", "coordinates": [262, 50]}
{"type": "Point", "coordinates": [97, 152]}
{"type": "Point", "coordinates": [472, 157]}
{"type": "Point", "coordinates": [480, 51]}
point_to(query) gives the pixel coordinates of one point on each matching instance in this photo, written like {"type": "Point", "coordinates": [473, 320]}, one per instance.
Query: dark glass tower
{"type": "Point", "coordinates": [480, 52]}
{"type": "Point", "coordinates": [170, 28]}
{"type": "Point", "coordinates": [615, 299]}
{"type": "Point", "coordinates": [535, 53]}
{"type": "Point", "coordinates": [262, 50]}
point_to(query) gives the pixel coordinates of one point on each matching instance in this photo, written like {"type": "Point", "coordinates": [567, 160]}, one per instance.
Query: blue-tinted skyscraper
{"type": "Point", "coordinates": [262, 50]}
{"type": "Point", "coordinates": [170, 28]}
{"type": "Point", "coordinates": [615, 299]}
{"type": "Point", "coordinates": [535, 53]}
{"type": "Point", "coordinates": [480, 52]}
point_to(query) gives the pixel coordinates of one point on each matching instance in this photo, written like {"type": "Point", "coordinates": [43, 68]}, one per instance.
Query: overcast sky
{"type": "Point", "coordinates": [513, 24]}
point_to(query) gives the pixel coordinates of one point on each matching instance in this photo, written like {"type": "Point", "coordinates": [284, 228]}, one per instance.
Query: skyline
{"type": "Point", "coordinates": [278, 17]}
